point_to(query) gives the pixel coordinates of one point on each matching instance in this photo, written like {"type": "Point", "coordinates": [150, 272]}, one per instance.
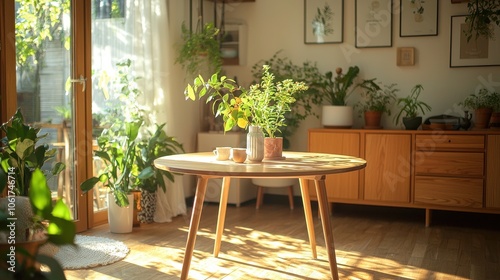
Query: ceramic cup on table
{"type": "Point", "coordinates": [222, 153]}
{"type": "Point", "coordinates": [239, 155]}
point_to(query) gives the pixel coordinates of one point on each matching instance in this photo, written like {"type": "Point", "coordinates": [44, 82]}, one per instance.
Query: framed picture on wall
{"type": "Point", "coordinates": [373, 23]}
{"type": "Point", "coordinates": [418, 18]}
{"type": "Point", "coordinates": [323, 21]}
{"type": "Point", "coordinates": [480, 51]}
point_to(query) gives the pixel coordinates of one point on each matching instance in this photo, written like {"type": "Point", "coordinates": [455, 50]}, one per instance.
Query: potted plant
{"type": "Point", "coordinates": [411, 107]}
{"type": "Point", "coordinates": [151, 147]}
{"type": "Point", "coordinates": [375, 101]}
{"type": "Point", "coordinates": [264, 104]}
{"type": "Point", "coordinates": [483, 102]}
{"type": "Point", "coordinates": [482, 15]}
{"type": "Point", "coordinates": [283, 68]}
{"type": "Point", "coordinates": [333, 94]}
{"type": "Point", "coordinates": [49, 222]}
{"type": "Point", "coordinates": [38, 219]}
{"type": "Point", "coordinates": [200, 49]}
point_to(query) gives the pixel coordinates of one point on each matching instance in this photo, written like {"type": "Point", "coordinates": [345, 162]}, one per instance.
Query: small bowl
{"type": "Point", "coordinates": [228, 53]}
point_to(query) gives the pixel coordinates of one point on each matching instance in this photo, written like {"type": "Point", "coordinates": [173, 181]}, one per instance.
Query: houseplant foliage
{"type": "Point", "coordinates": [376, 100]}
{"type": "Point", "coordinates": [410, 108]}
{"type": "Point", "coordinates": [54, 221]}
{"type": "Point", "coordinates": [21, 150]}
{"type": "Point", "coordinates": [263, 104]}
{"type": "Point", "coordinates": [199, 48]}
{"type": "Point", "coordinates": [483, 102]}
{"type": "Point", "coordinates": [307, 72]}
{"type": "Point", "coordinates": [482, 15]}
{"type": "Point", "coordinates": [375, 97]}
{"type": "Point", "coordinates": [335, 90]}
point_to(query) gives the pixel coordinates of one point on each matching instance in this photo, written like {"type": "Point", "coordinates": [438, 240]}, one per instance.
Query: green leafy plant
{"type": "Point", "coordinates": [151, 147]}
{"type": "Point", "coordinates": [21, 150]}
{"type": "Point", "coordinates": [307, 72]}
{"type": "Point", "coordinates": [264, 104]}
{"type": "Point", "coordinates": [376, 98]}
{"type": "Point", "coordinates": [336, 90]}
{"type": "Point", "coordinates": [55, 221]}
{"type": "Point", "coordinates": [482, 15]}
{"type": "Point", "coordinates": [411, 105]}
{"type": "Point", "coordinates": [482, 99]}
{"type": "Point", "coordinates": [200, 47]}
{"type": "Point", "coordinates": [118, 151]}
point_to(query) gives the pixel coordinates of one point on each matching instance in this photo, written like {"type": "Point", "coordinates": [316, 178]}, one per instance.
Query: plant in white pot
{"type": "Point", "coordinates": [483, 102]}
{"type": "Point", "coordinates": [411, 106]}
{"type": "Point", "coordinates": [263, 105]}
{"type": "Point", "coordinates": [333, 92]}
{"type": "Point", "coordinates": [376, 101]}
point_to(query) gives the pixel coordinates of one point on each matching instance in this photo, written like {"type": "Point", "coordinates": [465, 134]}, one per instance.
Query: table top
{"type": "Point", "coordinates": [294, 164]}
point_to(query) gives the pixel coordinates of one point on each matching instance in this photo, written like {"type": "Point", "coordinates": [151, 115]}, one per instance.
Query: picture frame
{"type": "Point", "coordinates": [373, 23]}
{"type": "Point", "coordinates": [323, 21]}
{"type": "Point", "coordinates": [481, 52]}
{"type": "Point", "coordinates": [405, 56]}
{"type": "Point", "coordinates": [418, 18]}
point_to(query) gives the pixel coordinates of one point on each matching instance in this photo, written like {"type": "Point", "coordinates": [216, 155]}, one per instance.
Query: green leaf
{"type": "Point", "coordinates": [88, 184]}
{"type": "Point", "coordinates": [39, 193]}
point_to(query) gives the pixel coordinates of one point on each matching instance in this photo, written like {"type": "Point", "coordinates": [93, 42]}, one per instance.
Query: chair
{"type": "Point", "coordinates": [262, 183]}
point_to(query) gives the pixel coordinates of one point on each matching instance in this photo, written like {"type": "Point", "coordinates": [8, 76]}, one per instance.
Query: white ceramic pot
{"type": "Point", "coordinates": [274, 182]}
{"type": "Point", "coordinates": [120, 219]}
{"type": "Point", "coordinates": [337, 116]}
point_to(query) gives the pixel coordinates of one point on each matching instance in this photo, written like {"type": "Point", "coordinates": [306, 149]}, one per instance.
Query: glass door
{"type": "Point", "coordinates": [51, 85]}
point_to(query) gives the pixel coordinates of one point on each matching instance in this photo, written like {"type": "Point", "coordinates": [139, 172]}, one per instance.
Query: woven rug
{"type": "Point", "coordinates": [91, 251]}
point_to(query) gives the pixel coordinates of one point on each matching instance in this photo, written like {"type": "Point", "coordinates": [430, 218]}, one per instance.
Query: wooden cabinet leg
{"type": "Point", "coordinates": [428, 217]}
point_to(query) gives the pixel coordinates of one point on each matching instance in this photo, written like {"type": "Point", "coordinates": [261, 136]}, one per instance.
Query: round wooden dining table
{"type": "Point", "coordinates": [305, 166]}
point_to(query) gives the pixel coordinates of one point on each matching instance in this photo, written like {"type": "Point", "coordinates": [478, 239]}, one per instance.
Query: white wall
{"type": "Point", "coordinates": [279, 25]}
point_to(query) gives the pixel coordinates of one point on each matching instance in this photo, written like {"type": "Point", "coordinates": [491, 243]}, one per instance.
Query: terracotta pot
{"type": "Point", "coordinates": [273, 148]}
{"type": "Point", "coordinates": [495, 120]}
{"type": "Point", "coordinates": [372, 119]}
{"type": "Point", "coordinates": [25, 253]}
{"type": "Point", "coordinates": [483, 116]}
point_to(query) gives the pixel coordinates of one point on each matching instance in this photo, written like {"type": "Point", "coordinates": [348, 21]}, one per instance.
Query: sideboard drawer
{"type": "Point", "coordinates": [449, 163]}
{"type": "Point", "coordinates": [462, 192]}
{"type": "Point", "coordinates": [443, 142]}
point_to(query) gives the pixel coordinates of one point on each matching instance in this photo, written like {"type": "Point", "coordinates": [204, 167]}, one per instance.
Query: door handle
{"type": "Point", "coordinates": [82, 80]}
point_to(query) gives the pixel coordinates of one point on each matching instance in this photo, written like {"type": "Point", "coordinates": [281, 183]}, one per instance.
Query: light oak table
{"type": "Point", "coordinates": [301, 165]}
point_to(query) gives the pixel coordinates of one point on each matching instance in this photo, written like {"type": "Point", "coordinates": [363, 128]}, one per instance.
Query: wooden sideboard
{"type": "Point", "coordinates": [427, 169]}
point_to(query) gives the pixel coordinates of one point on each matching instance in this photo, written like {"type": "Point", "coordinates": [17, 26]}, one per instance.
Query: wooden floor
{"type": "Point", "coordinates": [271, 243]}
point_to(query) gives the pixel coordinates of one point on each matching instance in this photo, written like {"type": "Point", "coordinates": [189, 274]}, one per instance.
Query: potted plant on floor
{"type": "Point", "coordinates": [151, 147]}
{"type": "Point", "coordinates": [410, 109]}
{"type": "Point", "coordinates": [38, 218]}
{"type": "Point", "coordinates": [375, 102]}
{"type": "Point", "coordinates": [483, 102]}
{"type": "Point", "coordinates": [333, 94]}
{"type": "Point", "coordinates": [264, 104]}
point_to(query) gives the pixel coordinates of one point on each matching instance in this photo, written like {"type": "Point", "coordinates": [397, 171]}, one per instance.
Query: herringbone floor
{"type": "Point", "coordinates": [271, 243]}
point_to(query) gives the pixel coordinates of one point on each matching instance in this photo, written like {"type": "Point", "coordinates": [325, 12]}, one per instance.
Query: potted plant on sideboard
{"type": "Point", "coordinates": [375, 102]}
{"type": "Point", "coordinates": [410, 109]}
{"type": "Point", "coordinates": [263, 105]}
{"type": "Point", "coordinates": [334, 92]}
{"type": "Point", "coordinates": [483, 102]}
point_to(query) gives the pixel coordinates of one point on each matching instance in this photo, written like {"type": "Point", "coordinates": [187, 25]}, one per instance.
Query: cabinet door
{"type": "Point", "coordinates": [387, 172]}
{"type": "Point", "coordinates": [492, 172]}
{"type": "Point", "coordinates": [339, 186]}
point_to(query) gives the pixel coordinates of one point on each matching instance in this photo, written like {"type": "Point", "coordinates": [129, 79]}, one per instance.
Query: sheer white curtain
{"type": "Point", "coordinates": [141, 36]}
{"type": "Point", "coordinates": [149, 22]}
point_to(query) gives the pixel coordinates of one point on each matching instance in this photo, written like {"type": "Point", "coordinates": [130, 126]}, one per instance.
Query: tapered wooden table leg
{"type": "Point", "coordinates": [327, 225]}
{"type": "Point", "coordinates": [222, 214]}
{"type": "Point", "coordinates": [199, 198]}
{"type": "Point", "coordinates": [306, 201]}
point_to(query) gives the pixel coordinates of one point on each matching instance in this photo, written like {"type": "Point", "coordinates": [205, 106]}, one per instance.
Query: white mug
{"type": "Point", "coordinates": [222, 153]}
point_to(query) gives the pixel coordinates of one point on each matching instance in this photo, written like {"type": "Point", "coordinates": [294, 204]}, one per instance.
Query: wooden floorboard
{"type": "Point", "coordinates": [272, 243]}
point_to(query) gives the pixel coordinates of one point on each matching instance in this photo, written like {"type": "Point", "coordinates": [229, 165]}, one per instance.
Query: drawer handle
{"type": "Point", "coordinates": [449, 141]}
